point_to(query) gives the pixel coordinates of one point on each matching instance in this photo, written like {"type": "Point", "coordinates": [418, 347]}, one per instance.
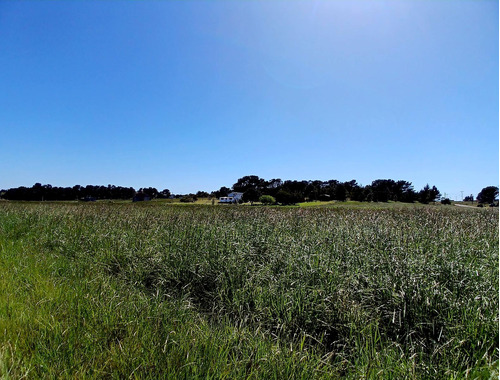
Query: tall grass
{"type": "Point", "coordinates": [181, 292]}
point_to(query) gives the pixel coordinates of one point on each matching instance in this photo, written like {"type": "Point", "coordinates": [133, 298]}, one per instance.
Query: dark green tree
{"type": "Point", "coordinates": [284, 197]}
{"type": "Point", "coordinates": [405, 192]}
{"type": "Point", "coordinates": [340, 192]}
{"type": "Point", "coordinates": [165, 193]}
{"type": "Point", "coordinates": [247, 182]}
{"type": "Point", "coordinates": [428, 194]}
{"type": "Point", "coordinates": [313, 190]}
{"type": "Point", "coordinates": [251, 195]}
{"type": "Point", "coordinates": [383, 190]}
{"type": "Point", "coordinates": [272, 186]}
{"type": "Point", "coordinates": [355, 192]}
{"type": "Point", "coordinates": [150, 192]}
{"type": "Point", "coordinates": [488, 194]}
{"type": "Point", "coordinates": [222, 192]}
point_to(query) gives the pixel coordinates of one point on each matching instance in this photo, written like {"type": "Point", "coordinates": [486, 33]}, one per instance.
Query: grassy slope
{"type": "Point", "coordinates": [127, 290]}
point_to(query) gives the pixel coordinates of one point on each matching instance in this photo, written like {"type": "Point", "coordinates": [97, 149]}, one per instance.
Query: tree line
{"type": "Point", "coordinates": [293, 191]}
{"type": "Point", "coordinates": [253, 188]}
{"type": "Point", "coordinates": [39, 192]}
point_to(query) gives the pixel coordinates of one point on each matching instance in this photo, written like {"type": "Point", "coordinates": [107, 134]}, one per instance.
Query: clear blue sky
{"type": "Point", "coordinates": [192, 95]}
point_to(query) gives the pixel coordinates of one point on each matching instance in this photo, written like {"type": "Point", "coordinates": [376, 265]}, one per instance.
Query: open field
{"type": "Point", "coordinates": [153, 290]}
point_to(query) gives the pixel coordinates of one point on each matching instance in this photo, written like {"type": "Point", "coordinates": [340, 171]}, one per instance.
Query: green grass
{"type": "Point", "coordinates": [364, 205]}
{"type": "Point", "coordinates": [153, 290]}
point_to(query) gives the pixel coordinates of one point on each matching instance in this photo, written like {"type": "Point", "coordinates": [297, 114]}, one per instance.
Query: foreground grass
{"type": "Point", "coordinates": [122, 290]}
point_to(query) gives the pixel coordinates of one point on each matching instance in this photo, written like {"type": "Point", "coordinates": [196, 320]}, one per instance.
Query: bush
{"type": "Point", "coordinates": [267, 199]}
{"type": "Point", "coordinates": [446, 201]}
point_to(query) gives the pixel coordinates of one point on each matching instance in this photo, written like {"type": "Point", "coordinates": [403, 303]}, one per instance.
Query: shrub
{"type": "Point", "coordinates": [267, 199]}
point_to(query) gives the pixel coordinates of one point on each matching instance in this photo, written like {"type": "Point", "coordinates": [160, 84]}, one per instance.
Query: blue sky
{"type": "Point", "coordinates": [192, 95]}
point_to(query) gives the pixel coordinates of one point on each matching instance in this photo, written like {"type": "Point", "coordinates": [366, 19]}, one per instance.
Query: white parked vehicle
{"type": "Point", "coordinates": [233, 197]}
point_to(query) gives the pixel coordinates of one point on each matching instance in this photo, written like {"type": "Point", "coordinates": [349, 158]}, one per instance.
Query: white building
{"type": "Point", "coordinates": [233, 197]}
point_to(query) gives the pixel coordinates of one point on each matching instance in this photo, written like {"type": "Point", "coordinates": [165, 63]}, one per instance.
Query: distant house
{"type": "Point", "coordinates": [233, 197]}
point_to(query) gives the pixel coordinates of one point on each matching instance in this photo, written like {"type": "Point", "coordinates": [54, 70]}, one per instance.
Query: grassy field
{"type": "Point", "coordinates": [152, 290]}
